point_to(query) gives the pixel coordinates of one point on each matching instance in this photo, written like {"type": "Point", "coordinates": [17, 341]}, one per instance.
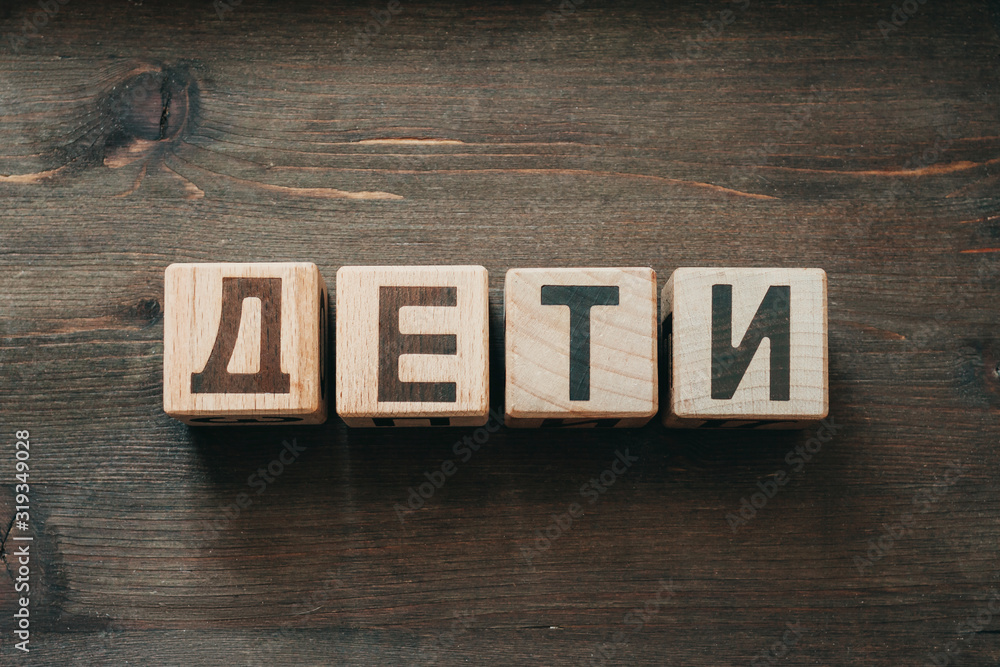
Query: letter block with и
{"type": "Point", "coordinates": [746, 348]}
{"type": "Point", "coordinates": [244, 343]}
{"type": "Point", "coordinates": [580, 347]}
{"type": "Point", "coordinates": [412, 345]}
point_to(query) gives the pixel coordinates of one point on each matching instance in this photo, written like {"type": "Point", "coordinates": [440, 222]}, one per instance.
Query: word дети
{"type": "Point", "coordinates": [743, 347]}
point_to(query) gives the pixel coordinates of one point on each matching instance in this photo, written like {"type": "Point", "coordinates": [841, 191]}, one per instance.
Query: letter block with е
{"type": "Point", "coordinates": [412, 345]}
{"type": "Point", "coordinates": [244, 343]}
{"type": "Point", "coordinates": [580, 347]}
{"type": "Point", "coordinates": [746, 348]}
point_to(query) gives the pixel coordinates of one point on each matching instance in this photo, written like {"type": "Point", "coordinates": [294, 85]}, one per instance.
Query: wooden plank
{"type": "Point", "coordinates": [133, 136]}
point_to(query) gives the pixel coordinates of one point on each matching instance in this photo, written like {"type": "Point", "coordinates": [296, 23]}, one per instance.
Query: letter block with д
{"type": "Point", "coordinates": [746, 348]}
{"type": "Point", "coordinates": [412, 345]}
{"type": "Point", "coordinates": [580, 347]}
{"type": "Point", "coordinates": [245, 343]}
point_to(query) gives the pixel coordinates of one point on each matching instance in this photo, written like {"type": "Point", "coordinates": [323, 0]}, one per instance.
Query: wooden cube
{"type": "Point", "coordinates": [580, 347]}
{"type": "Point", "coordinates": [746, 348]}
{"type": "Point", "coordinates": [244, 343]}
{"type": "Point", "coordinates": [412, 345]}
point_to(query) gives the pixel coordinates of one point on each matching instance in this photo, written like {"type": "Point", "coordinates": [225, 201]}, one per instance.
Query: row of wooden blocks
{"type": "Point", "coordinates": [744, 347]}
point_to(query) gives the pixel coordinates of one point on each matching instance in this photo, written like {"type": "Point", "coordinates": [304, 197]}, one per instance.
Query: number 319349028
{"type": "Point", "coordinates": [21, 454]}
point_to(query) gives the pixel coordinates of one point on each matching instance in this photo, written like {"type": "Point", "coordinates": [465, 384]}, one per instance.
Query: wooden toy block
{"type": "Point", "coordinates": [244, 343]}
{"type": "Point", "coordinates": [580, 347]}
{"type": "Point", "coordinates": [412, 345]}
{"type": "Point", "coordinates": [746, 348]}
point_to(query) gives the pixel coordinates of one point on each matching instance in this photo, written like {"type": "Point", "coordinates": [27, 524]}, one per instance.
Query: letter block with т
{"type": "Point", "coordinates": [244, 343]}
{"type": "Point", "coordinates": [580, 347]}
{"type": "Point", "coordinates": [746, 348]}
{"type": "Point", "coordinates": [412, 345]}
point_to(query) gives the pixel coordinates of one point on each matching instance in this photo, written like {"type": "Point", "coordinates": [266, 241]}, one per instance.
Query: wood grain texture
{"type": "Point", "coordinates": [244, 343]}
{"type": "Point", "coordinates": [747, 347]}
{"type": "Point", "coordinates": [615, 135]}
{"type": "Point", "coordinates": [580, 347]}
{"type": "Point", "coordinates": [412, 345]}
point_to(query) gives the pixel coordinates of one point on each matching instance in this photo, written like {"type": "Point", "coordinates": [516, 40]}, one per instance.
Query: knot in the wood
{"type": "Point", "coordinates": [152, 106]}
{"type": "Point", "coordinates": [147, 310]}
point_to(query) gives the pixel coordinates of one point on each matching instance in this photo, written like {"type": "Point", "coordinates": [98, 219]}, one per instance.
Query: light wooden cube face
{"type": "Point", "coordinates": [412, 345]}
{"type": "Point", "coordinates": [747, 347]}
{"type": "Point", "coordinates": [244, 343]}
{"type": "Point", "coordinates": [580, 347]}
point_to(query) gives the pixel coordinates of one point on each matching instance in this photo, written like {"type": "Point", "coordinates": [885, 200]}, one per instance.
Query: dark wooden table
{"type": "Point", "coordinates": [136, 134]}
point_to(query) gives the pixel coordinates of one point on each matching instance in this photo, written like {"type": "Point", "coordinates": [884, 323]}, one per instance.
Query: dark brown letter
{"type": "Point", "coordinates": [393, 344]}
{"type": "Point", "coordinates": [214, 378]}
{"type": "Point", "coordinates": [771, 321]}
{"type": "Point", "coordinates": [580, 299]}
